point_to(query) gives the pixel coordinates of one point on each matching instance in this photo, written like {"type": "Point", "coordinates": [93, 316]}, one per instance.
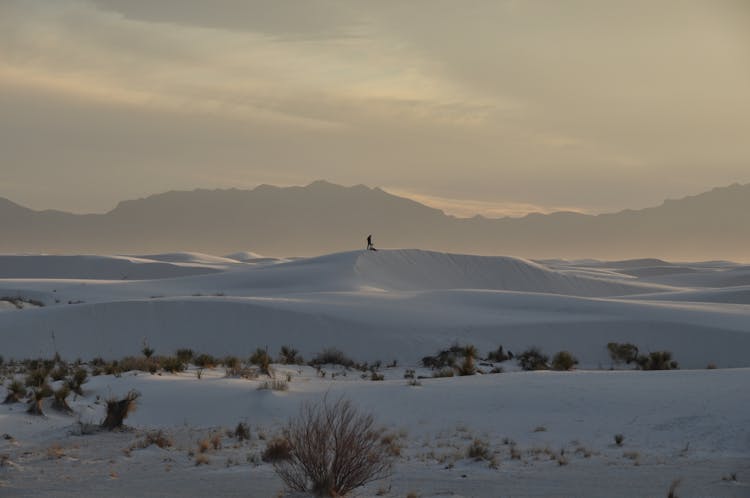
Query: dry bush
{"type": "Point", "coordinates": [216, 441]}
{"type": "Point", "coordinates": [479, 450]}
{"type": "Point", "coordinates": [622, 352]}
{"type": "Point", "coordinates": [37, 396]}
{"type": "Point", "coordinates": [16, 391]}
{"type": "Point", "coordinates": [202, 460]}
{"type": "Point", "coordinates": [76, 381]}
{"type": "Point", "coordinates": [290, 356]}
{"type": "Point", "coordinates": [242, 431]}
{"type": "Point", "coordinates": [60, 402]}
{"type": "Point", "coordinates": [118, 410]}
{"type": "Point", "coordinates": [533, 359]}
{"type": "Point", "coordinates": [334, 449]}
{"type": "Point", "coordinates": [262, 360]}
{"type": "Point", "coordinates": [205, 361]}
{"type": "Point", "coordinates": [277, 449]}
{"type": "Point", "coordinates": [274, 385]}
{"type": "Point", "coordinates": [332, 356]}
{"type": "Point", "coordinates": [564, 360]}
{"type": "Point", "coordinates": [204, 445]}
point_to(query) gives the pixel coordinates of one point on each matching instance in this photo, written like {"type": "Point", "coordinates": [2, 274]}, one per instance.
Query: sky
{"type": "Point", "coordinates": [490, 107]}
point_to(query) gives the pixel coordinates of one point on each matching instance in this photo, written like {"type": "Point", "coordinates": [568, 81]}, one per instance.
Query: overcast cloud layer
{"type": "Point", "coordinates": [492, 107]}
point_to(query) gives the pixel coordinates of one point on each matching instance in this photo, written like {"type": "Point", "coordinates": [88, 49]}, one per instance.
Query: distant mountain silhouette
{"type": "Point", "coordinates": [323, 217]}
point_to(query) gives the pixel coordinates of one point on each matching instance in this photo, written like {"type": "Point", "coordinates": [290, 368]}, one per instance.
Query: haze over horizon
{"type": "Point", "coordinates": [498, 108]}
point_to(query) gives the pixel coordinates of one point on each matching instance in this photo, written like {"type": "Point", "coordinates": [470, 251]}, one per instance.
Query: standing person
{"type": "Point", "coordinates": [370, 247]}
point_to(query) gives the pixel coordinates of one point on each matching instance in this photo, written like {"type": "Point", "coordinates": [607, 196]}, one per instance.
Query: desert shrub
{"type": "Point", "coordinates": [97, 362]}
{"type": "Point", "coordinates": [533, 359]}
{"type": "Point", "coordinates": [622, 352]}
{"type": "Point", "coordinates": [16, 391]}
{"type": "Point", "coordinates": [36, 377]}
{"type": "Point", "coordinates": [242, 431]}
{"type": "Point", "coordinates": [37, 396]}
{"type": "Point", "coordinates": [171, 364]}
{"type": "Point", "coordinates": [410, 373]}
{"type": "Point", "coordinates": [159, 438]}
{"type": "Point", "coordinates": [118, 410]}
{"type": "Point", "coordinates": [657, 360]}
{"type": "Point", "coordinates": [231, 362]}
{"type": "Point", "coordinates": [377, 376]}
{"type": "Point", "coordinates": [59, 372]}
{"type": "Point", "coordinates": [444, 358]}
{"type": "Point", "coordinates": [277, 449]}
{"type": "Point", "coordinates": [290, 356]}
{"type": "Point", "coordinates": [479, 450]}
{"type": "Point", "coordinates": [274, 385]}
{"type": "Point", "coordinates": [147, 351]}
{"type": "Point", "coordinates": [76, 381]}
{"type": "Point", "coordinates": [262, 359]}
{"type": "Point", "coordinates": [443, 372]}
{"type": "Point", "coordinates": [185, 355]}
{"type": "Point", "coordinates": [205, 361]}
{"type": "Point", "coordinates": [498, 355]}
{"type": "Point", "coordinates": [60, 399]}
{"type": "Point", "coordinates": [335, 449]}
{"type": "Point", "coordinates": [564, 360]}
{"type": "Point", "coordinates": [619, 438]}
{"type": "Point", "coordinates": [332, 356]}
{"type": "Point", "coordinates": [131, 363]}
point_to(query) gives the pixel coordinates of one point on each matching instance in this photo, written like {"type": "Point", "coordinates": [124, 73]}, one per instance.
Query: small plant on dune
{"type": "Point", "coordinates": [622, 352]}
{"type": "Point", "coordinates": [274, 385]}
{"type": "Point", "coordinates": [377, 376]}
{"type": "Point", "coordinates": [242, 431]}
{"type": "Point", "coordinates": [262, 360]}
{"type": "Point", "coordinates": [185, 355]}
{"type": "Point", "coordinates": [467, 365]}
{"type": "Point", "coordinates": [158, 438]}
{"type": "Point", "coordinates": [204, 360]}
{"type": "Point", "coordinates": [277, 449]}
{"type": "Point", "coordinates": [16, 391]}
{"type": "Point", "coordinates": [37, 396]}
{"type": "Point", "coordinates": [60, 399]}
{"type": "Point", "coordinates": [564, 360]}
{"type": "Point", "coordinates": [619, 438]}
{"type": "Point", "coordinates": [499, 355]}
{"type": "Point", "coordinates": [171, 364]}
{"type": "Point", "coordinates": [533, 359]}
{"type": "Point", "coordinates": [290, 356]}
{"type": "Point", "coordinates": [657, 360]}
{"type": "Point", "coordinates": [443, 372]}
{"type": "Point", "coordinates": [335, 449]}
{"type": "Point", "coordinates": [37, 377]}
{"type": "Point", "coordinates": [479, 450]}
{"type": "Point", "coordinates": [76, 381]}
{"type": "Point", "coordinates": [146, 350]}
{"type": "Point", "coordinates": [332, 356]}
{"type": "Point", "coordinates": [118, 410]}
{"type": "Point", "coordinates": [59, 372]}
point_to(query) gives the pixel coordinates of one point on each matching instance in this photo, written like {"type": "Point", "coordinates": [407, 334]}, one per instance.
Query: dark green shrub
{"type": "Point", "coordinates": [262, 359]}
{"type": "Point", "coordinates": [657, 360]}
{"type": "Point", "coordinates": [564, 360]}
{"type": "Point", "coordinates": [184, 355]}
{"type": "Point", "coordinates": [533, 359]}
{"type": "Point", "coordinates": [332, 356]}
{"type": "Point", "coordinates": [290, 356]}
{"type": "Point", "coordinates": [622, 352]}
{"type": "Point", "coordinates": [205, 361]}
{"type": "Point", "coordinates": [498, 355]}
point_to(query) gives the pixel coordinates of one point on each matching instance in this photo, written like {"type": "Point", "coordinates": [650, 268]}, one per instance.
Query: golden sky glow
{"type": "Point", "coordinates": [497, 107]}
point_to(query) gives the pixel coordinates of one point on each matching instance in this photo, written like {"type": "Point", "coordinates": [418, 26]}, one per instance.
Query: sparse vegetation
{"type": "Point", "coordinates": [60, 402]}
{"type": "Point", "coordinates": [657, 360]}
{"type": "Point", "coordinates": [332, 356]}
{"type": "Point", "coordinates": [479, 450]}
{"type": "Point", "coordinates": [277, 449]}
{"type": "Point", "coordinates": [205, 361]}
{"type": "Point", "coordinates": [622, 352]}
{"type": "Point", "coordinates": [16, 391]}
{"type": "Point", "coordinates": [499, 355]}
{"type": "Point", "coordinates": [262, 360]}
{"type": "Point", "coordinates": [334, 449]}
{"type": "Point", "coordinates": [564, 360]}
{"type": "Point", "coordinates": [118, 410]}
{"type": "Point", "coordinates": [290, 356]}
{"type": "Point", "coordinates": [274, 385]}
{"type": "Point", "coordinates": [533, 359]}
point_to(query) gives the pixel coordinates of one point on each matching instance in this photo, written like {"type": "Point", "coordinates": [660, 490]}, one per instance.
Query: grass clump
{"type": "Point", "coordinates": [533, 359]}
{"type": "Point", "coordinates": [262, 360]}
{"type": "Point", "coordinates": [564, 360]}
{"type": "Point", "coordinates": [16, 392]}
{"type": "Point", "coordinates": [118, 410]}
{"type": "Point", "coordinates": [479, 450]}
{"type": "Point", "coordinates": [332, 356]}
{"type": "Point", "coordinates": [277, 449]}
{"type": "Point", "coordinates": [290, 356]}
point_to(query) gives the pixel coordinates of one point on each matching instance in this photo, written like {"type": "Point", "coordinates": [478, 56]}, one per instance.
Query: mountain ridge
{"type": "Point", "coordinates": [323, 217]}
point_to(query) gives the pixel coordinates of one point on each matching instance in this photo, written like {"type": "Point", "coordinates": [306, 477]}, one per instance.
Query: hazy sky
{"type": "Point", "coordinates": [494, 107]}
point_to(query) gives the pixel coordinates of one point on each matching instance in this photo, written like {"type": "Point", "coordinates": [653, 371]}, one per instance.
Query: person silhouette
{"type": "Point", "coordinates": [370, 247]}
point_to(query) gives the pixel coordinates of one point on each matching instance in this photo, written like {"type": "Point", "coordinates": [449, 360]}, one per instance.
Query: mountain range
{"type": "Point", "coordinates": [323, 217]}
